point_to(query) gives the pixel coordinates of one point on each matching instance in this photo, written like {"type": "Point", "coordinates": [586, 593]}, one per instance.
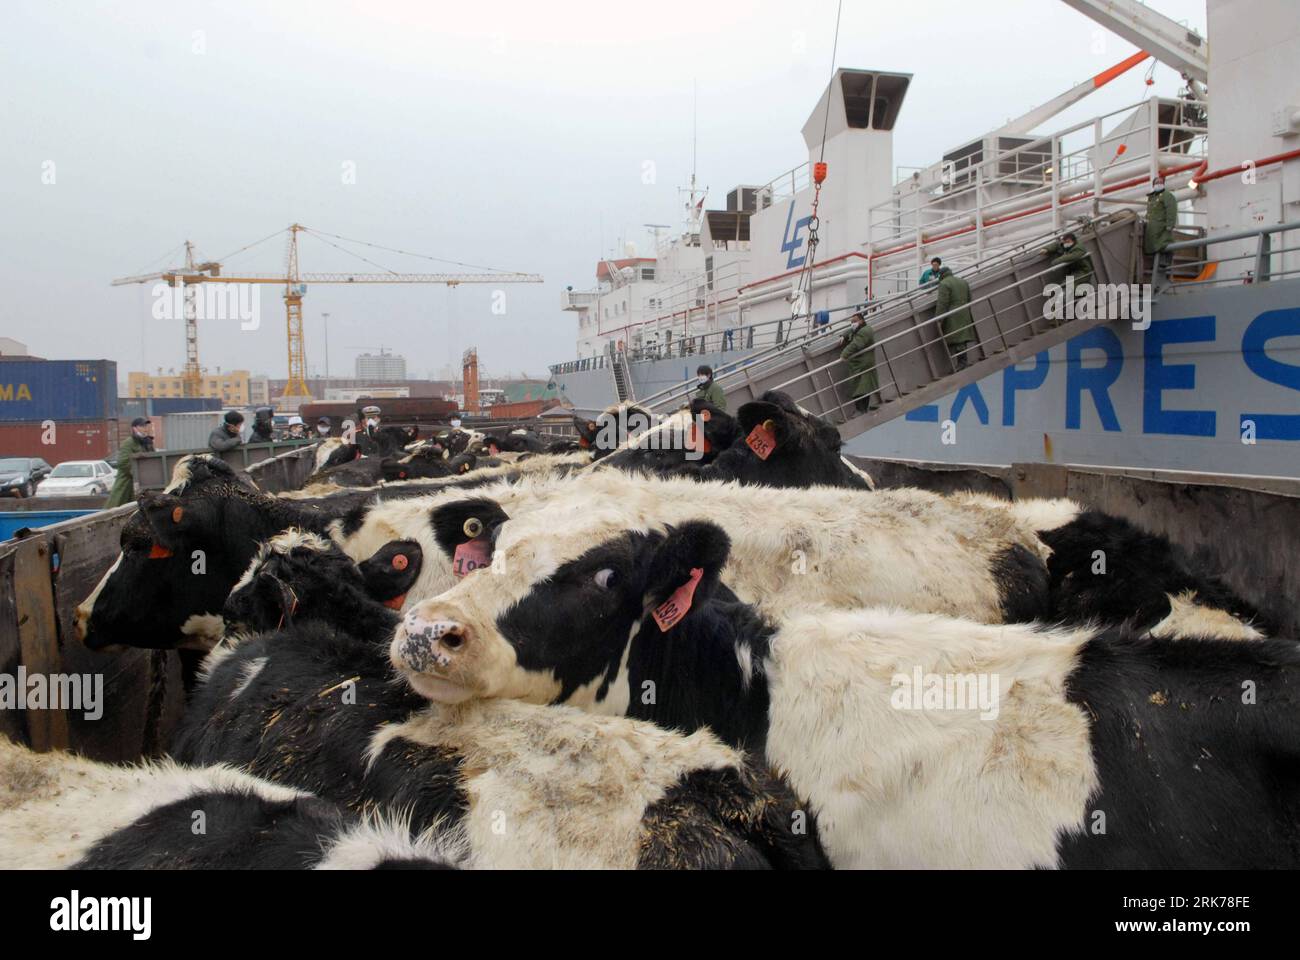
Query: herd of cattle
{"type": "Point", "coordinates": [697, 652]}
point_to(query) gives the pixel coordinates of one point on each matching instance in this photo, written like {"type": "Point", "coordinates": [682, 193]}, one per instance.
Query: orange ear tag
{"type": "Point", "coordinates": [668, 613]}
{"type": "Point", "coordinates": [400, 562]}
{"type": "Point", "coordinates": [395, 603]}
{"type": "Point", "coordinates": [762, 439]}
{"type": "Point", "coordinates": [470, 556]}
{"type": "Point", "coordinates": [176, 514]}
{"type": "Point", "coordinates": [159, 552]}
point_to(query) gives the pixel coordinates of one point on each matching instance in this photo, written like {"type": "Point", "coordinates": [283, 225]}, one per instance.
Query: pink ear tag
{"type": "Point", "coordinates": [762, 440]}
{"type": "Point", "coordinates": [470, 556]}
{"type": "Point", "coordinates": [668, 613]}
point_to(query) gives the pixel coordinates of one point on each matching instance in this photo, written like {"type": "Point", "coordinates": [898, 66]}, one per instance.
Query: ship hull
{"type": "Point", "coordinates": [1212, 386]}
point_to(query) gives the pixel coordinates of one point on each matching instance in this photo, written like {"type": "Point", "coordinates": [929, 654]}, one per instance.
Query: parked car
{"type": "Point", "coordinates": [78, 478]}
{"type": "Point", "coordinates": [19, 476]}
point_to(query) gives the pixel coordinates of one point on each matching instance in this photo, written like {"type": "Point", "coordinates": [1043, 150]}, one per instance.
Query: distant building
{"type": "Point", "coordinates": [348, 394]}
{"type": "Point", "coordinates": [382, 366]}
{"type": "Point", "coordinates": [259, 391]}
{"type": "Point", "coordinates": [232, 387]}
{"type": "Point", "coordinates": [12, 348]}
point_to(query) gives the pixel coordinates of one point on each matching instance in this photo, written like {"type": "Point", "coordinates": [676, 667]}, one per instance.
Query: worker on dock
{"type": "Point", "coordinates": [858, 351]}
{"type": "Point", "coordinates": [931, 272]}
{"type": "Point", "coordinates": [225, 435]}
{"type": "Point", "coordinates": [323, 427]}
{"type": "Point", "coordinates": [139, 441]}
{"type": "Point", "coordinates": [958, 326]}
{"type": "Point", "coordinates": [707, 390]}
{"type": "Point", "coordinates": [263, 425]}
{"type": "Point", "coordinates": [297, 429]}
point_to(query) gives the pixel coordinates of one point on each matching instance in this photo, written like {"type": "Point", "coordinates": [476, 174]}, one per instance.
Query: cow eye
{"type": "Point", "coordinates": [605, 578]}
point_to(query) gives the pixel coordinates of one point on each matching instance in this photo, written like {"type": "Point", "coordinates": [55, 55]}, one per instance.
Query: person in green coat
{"type": "Point", "coordinates": [1162, 217]}
{"type": "Point", "coordinates": [958, 326]}
{"type": "Point", "coordinates": [140, 441]}
{"type": "Point", "coordinates": [858, 351]}
{"type": "Point", "coordinates": [708, 391]}
{"type": "Point", "coordinates": [1073, 260]}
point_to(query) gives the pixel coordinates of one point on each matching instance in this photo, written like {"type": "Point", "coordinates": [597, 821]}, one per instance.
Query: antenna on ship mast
{"type": "Point", "coordinates": [693, 207]}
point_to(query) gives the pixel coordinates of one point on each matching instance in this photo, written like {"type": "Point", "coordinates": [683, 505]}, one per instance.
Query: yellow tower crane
{"type": "Point", "coordinates": [295, 286]}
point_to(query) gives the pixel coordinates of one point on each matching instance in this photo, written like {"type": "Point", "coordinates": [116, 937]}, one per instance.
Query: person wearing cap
{"type": "Point", "coordinates": [139, 441]}
{"type": "Point", "coordinates": [370, 420]}
{"type": "Point", "coordinates": [323, 427]}
{"type": "Point", "coordinates": [858, 350]}
{"type": "Point", "coordinates": [932, 271]}
{"type": "Point", "coordinates": [225, 435]}
{"type": "Point", "coordinates": [1072, 259]}
{"type": "Point", "coordinates": [263, 425]}
{"type": "Point", "coordinates": [297, 429]}
{"type": "Point", "coordinates": [1162, 217]}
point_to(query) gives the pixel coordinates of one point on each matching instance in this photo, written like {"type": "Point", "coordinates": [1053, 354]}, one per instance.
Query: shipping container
{"type": "Point", "coordinates": [190, 431]}
{"type": "Point", "coordinates": [128, 408]}
{"type": "Point", "coordinates": [521, 410]}
{"type": "Point", "coordinates": [395, 411]}
{"type": "Point", "coordinates": [35, 390]}
{"type": "Point", "coordinates": [58, 441]}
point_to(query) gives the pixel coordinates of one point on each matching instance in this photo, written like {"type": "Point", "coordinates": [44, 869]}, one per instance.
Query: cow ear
{"type": "Point", "coordinates": [684, 569]}
{"type": "Point", "coordinates": [170, 521]}
{"type": "Point", "coordinates": [392, 570]}
{"type": "Point", "coordinates": [465, 520]}
{"type": "Point", "coordinates": [763, 413]}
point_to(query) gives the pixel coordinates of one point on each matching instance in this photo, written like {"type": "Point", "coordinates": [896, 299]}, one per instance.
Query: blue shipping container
{"type": "Point", "coordinates": [36, 390]}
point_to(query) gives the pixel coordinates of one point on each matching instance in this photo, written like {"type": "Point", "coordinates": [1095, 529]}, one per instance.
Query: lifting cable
{"type": "Point", "coordinates": [804, 288]}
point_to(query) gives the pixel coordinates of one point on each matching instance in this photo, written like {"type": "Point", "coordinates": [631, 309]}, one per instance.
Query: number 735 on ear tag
{"type": "Point", "coordinates": [762, 439]}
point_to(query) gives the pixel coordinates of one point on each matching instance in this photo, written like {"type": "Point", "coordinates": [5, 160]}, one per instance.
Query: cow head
{"type": "Point", "coordinates": [181, 553]}
{"type": "Point", "coordinates": [551, 619]}
{"type": "Point", "coordinates": [302, 574]}
{"type": "Point", "coordinates": [805, 449]}
{"type": "Point", "coordinates": [426, 462]}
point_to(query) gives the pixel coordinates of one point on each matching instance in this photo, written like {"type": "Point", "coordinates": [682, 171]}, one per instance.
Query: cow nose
{"type": "Point", "coordinates": [432, 644]}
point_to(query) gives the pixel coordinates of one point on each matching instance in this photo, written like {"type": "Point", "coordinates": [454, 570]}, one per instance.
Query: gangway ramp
{"type": "Point", "coordinates": [913, 365]}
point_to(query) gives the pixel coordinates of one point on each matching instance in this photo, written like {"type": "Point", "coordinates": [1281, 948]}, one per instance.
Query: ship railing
{"type": "Point", "coordinates": [1079, 171]}
{"type": "Point", "coordinates": [768, 340]}
{"type": "Point", "coordinates": [1172, 272]}
{"type": "Point", "coordinates": [785, 186]}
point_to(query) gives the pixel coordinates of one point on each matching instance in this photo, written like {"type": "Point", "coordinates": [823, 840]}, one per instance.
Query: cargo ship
{"type": "Point", "coordinates": [1206, 383]}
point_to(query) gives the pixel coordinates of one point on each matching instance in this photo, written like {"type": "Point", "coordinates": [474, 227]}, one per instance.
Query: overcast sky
{"type": "Point", "coordinates": [510, 135]}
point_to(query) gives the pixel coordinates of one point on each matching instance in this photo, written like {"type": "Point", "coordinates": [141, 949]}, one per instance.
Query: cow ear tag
{"type": "Point", "coordinates": [704, 415]}
{"type": "Point", "coordinates": [177, 512]}
{"type": "Point", "coordinates": [159, 552]}
{"type": "Point", "coordinates": [400, 562]}
{"type": "Point", "coordinates": [762, 439]}
{"type": "Point", "coordinates": [671, 611]}
{"type": "Point", "coordinates": [473, 553]}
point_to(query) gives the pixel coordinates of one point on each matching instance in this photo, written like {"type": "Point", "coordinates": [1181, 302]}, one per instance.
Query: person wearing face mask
{"type": "Point", "coordinates": [707, 390]}
{"type": "Point", "coordinates": [263, 425]}
{"type": "Point", "coordinates": [858, 351]}
{"type": "Point", "coordinates": [323, 427]}
{"type": "Point", "coordinates": [225, 435]}
{"type": "Point", "coordinates": [1162, 217]}
{"type": "Point", "coordinates": [370, 420]}
{"type": "Point", "coordinates": [1072, 259]}
{"type": "Point", "coordinates": [140, 441]}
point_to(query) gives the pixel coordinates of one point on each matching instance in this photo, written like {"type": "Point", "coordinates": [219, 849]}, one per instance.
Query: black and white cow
{"type": "Point", "coordinates": [425, 465]}
{"type": "Point", "coordinates": [58, 810]}
{"type": "Point", "coordinates": [611, 428]}
{"type": "Point", "coordinates": [386, 441]}
{"type": "Point", "coordinates": [522, 440]}
{"type": "Point", "coordinates": [1107, 571]}
{"type": "Point", "coordinates": [842, 548]}
{"type": "Point", "coordinates": [313, 705]}
{"type": "Point", "coordinates": [770, 442]}
{"type": "Point", "coordinates": [919, 740]}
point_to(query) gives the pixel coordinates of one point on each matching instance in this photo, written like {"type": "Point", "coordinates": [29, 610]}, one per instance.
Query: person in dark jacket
{"type": "Point", "coordinates": [858, 351]}
{"type": "Point", "coordinates": [263, 425]}
{"type": "Point", "coordinates": [225, 435]}
{"type": "Point", "coordinates": [1162, 217]}
{"type": "Point", "coordinates": [1073, 260]}
{"type": "Point", "coordinates": [708, 391]}
{"type": "Point", "coordinates": [140, 441]}
{"type": "Point", "coordinates": [959, 326]}
{"type": "Point", "coordinates": [323, 427]}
